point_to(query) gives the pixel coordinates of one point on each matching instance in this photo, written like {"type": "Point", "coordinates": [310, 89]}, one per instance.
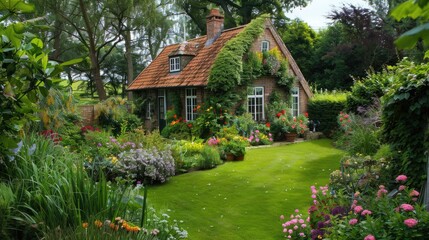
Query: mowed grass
{"type": "Point", "coordinates": [243, 200]}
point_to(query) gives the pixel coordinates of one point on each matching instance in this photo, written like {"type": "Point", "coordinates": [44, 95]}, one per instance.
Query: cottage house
{"type": "Point", "coordinates": [179, 74]}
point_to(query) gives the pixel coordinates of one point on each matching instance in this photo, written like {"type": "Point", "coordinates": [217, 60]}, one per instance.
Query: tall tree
{"type": "Point", "coordinates": [358, 41]}
{"type": "Point", "coordinates": [300, 39]}
{"type": "Point", "coordinates": [237, 12]}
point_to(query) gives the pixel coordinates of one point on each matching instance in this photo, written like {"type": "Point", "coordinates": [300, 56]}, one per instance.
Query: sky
{"type": "Point", "coordinates": [315, 13]}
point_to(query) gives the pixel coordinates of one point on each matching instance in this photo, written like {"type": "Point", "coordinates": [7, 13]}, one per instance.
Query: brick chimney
{"type": "Point", "coordinates": [214, 26]}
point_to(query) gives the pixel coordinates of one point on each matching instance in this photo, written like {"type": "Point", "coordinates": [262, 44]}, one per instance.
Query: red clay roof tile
{"type": "Point", "coordinates": [196, 72]}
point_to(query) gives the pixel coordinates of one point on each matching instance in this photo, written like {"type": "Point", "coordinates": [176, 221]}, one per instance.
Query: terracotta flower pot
{"type": "Point", "coordinates": [290, 137]}
{"type": "Point", "coordinates": [229, 157]}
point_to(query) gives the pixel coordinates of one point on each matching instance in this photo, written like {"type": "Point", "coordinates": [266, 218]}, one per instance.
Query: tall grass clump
{"type": "Point", "coordinates": [54, 192]}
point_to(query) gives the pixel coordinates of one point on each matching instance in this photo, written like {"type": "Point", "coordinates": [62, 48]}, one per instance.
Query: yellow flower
{"type": "Point", "coordinates": [98, 223]}
{"type": "Point", "coordinates": [114, 160]}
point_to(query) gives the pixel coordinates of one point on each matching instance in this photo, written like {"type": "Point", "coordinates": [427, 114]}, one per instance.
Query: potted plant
{"type": "Point", "coordinates": [234, 149]}
{"type": "Point", "coordinates": [291, 126]}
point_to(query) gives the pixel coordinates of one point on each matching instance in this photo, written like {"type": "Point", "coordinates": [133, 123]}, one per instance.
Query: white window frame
{"type": "Point", "coordinates": [149, 110]}
{"type": "Point", "coordinates": [253, 111]}
{"type": "Point", "coordinates": [174, 64]}
{"type": "Point", "coordinates": [190, 103]}
{"type": "Point", "coordinates": [295, 101]}
{"type": "Point", "coordinates": [263, 49]}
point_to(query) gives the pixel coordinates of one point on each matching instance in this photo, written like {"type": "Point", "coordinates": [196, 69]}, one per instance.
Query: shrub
{"type": "Point", "coordinates": [378, 213]}
{"type": "Point", "coordinates": [323, 110]}
{"type": "Point", "coordinates": [146, 165]}
{"type": "Point", "coordinates": [405, 119]}
{"type": "Point", "coordinates": [258, 138]}
{"type": "Point", "coordinates": [210, 158]}
{"type": "Point", "coordinates": [359, 133]}
{"type": "Point", "coordinates": [113, 114]}
{"type": "Point", "coordinates": [368, 90]}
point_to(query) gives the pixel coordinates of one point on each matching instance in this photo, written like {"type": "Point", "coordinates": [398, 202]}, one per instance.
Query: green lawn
{"type": "Point", "coordinates": [243, 200]}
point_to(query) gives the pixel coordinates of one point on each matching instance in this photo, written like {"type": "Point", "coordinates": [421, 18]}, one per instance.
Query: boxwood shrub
{"type": "Point", "coordinates": [324, 108]}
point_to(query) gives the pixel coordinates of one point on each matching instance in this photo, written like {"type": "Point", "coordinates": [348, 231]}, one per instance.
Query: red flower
{"type": "Point", "coordinates": [278, 115]}
{"type": "Point", "coordinates": [190, 125]}
{"type": "Point", "coordinates": [283, 111]}
{"type": "Point", "coordinates": [268, 124]}
{"type": "Point", "coordinates": [306, 114]}
{"type": "Point", "coordinates": [174, 116]}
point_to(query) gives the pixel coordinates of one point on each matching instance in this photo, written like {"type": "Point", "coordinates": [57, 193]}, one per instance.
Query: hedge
{"type": "Point", "coordinates": [324, 108]}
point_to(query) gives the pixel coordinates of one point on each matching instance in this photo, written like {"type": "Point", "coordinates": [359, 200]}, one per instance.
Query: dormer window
{"type": "Point", "coordinates": [265, 46]}
{"type": "Point", "coordinates": [174, 64]}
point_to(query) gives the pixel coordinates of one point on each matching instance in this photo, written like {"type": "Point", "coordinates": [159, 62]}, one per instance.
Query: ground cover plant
{"type": "Point", "coordinates": [241, 200]}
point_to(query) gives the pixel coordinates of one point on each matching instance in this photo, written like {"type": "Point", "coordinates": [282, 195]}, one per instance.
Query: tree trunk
{"type": "Point", "coordinates": [130, 66]}
{"type": "Point", "coordinates": [95, 66]}
{"type": "Point", "coordinates": [58, 29]}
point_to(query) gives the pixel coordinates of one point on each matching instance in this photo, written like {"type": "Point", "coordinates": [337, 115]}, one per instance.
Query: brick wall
{"type": "Point", "coordinates": [267, 36]}
{"type": "Point", "coordinates": [87, 112]}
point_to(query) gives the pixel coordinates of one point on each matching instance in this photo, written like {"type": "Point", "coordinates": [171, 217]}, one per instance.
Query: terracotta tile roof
{"type": "Point", "coordinates": [157, 74]}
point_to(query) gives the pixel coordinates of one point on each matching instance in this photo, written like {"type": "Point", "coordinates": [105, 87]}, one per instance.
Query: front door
{"type": "Point", "coordinates": [162, 105]}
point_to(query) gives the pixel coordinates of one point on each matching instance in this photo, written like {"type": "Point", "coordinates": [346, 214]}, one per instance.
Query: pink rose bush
{"type": "Point", "coordinates": [370, 215]}
{"type": "Point", "coordinates": [296, 227]}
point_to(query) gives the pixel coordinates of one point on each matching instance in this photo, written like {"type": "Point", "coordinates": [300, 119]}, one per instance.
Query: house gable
{"type": "Point", "coordinates": [271, 35]}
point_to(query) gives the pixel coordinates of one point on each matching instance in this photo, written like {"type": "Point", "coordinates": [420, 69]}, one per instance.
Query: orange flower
{"type": "Point", "coordinates": [85, 225]}
{"type": "Point", "coordinates": [98, 223]}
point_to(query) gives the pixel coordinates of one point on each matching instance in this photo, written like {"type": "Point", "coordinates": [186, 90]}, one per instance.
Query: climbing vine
{"type": "Point", "coordinates": [228, 65]}
{"type": "Point", "coordinates": [406, 119]}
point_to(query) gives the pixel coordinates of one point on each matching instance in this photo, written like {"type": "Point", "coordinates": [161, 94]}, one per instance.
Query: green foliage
{"type": "Point", "coordinates": [228, 65]}
{"type": "Point", "coordinates": [7, 198]}
{"type": "Point", "coordinates": [210, 158]}
{"type": "Point", "coordinates": [57, 109]}
{"type": "Point", "coordinates": [25, 71]}
{"type": "Point", "coordinates": [415, 10]}
{"type": "Point", "coordinates": [300, 39]}
{"type": "Point", "coordinates": [324, 108]}
{"type": "Point", "coordinates": [405, 118]}
{"type": "Point", "coordinates": [60, 193]}
{"type": "Point", "coordinates": [114, 115]}
{"type": "Point", "coordinates": [367, 91]}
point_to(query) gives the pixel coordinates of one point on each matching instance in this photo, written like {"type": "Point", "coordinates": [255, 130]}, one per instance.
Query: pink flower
{"type": "Point", "coordinates": [401, 188]}
{"type": "Point", "coordinates": [357, 194]}
{"type": "Point", "coordinates": [301, 234]}
{"type": "Point", "coordinates": [358, 209]}
{"type": "Point", "coordinates": [285, 230]}
{"type": "Point", "coordinates": [297, 210]}
{"type": "Point", "coordinates": [410, 222]}
{"type": "Point", "coordinates": [401, 178]}
{"type": "Point", "coordinates": [414, 193]}
{"type": "Point", "coordinates": [301, 221]}
{"type": "Point", "coordinates": [282, 217]}
{"type": "Point", "coordinates": [313, 196]}
{"type": "Point", "coordinates": [366, 212]}
{"type": "Point", "coordinates": [407, 207]}
{"type": "Point", "coordinates": [290, 231]}
{"type": "Point", "coordinates": [369, 237]}
{"type": "Point", "coordinates": [381, 192]}
{"type": "Point", "coordinates": [304, 225]}
{"type": "Point", "coordinates": [353, 221]}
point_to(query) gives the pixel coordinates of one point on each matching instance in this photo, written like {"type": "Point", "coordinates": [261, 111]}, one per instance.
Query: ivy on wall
{"type": "Point", "coordinates": [228, 65]}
